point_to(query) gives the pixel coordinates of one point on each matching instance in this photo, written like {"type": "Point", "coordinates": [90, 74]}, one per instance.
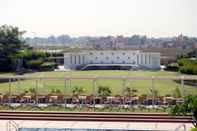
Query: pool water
{"type": "Point", "coordinates": [69, 129]}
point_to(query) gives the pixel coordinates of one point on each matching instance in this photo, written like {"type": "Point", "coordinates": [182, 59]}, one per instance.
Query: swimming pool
{"type": "Point", "coordinates": [69, 129]}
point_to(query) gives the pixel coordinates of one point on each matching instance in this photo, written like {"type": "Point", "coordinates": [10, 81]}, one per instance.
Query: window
{"type": "Point", "coordinates": [112, 53]}
{"type": "Point", "coordinates": [90, 53]}
{"type": "Point", "coordinates": [101, 53]}
{"type": "Point", "coordinates": [107, 57]}
{"type": "Point", "coordinates": [123, 53]}
{"type": "Point", "coordinates": [118, 57]}
{"type": "Point", "coordinates": [128, 57]}
{"type": "Point", "coordinates": [123, 62]}
{"type": "Point", "coordinates": [96, 58]}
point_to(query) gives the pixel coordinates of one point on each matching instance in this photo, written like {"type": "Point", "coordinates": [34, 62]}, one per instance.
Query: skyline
{"type": "Point", "coordinates": [153, 18]}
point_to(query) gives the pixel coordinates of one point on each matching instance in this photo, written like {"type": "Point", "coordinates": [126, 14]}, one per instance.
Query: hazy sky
{"type": "Point", "coordinates": [101, 17]}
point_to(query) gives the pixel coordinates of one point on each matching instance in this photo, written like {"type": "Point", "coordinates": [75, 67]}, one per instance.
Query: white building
{"type": "Point", "coordinates": [148, 60]}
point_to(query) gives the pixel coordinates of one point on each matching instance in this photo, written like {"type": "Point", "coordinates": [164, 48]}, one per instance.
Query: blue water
{"type": "Point", "coordinates": [68, 129]}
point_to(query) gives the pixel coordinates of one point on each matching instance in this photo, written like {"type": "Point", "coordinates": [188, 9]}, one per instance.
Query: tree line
{"type": "Point", "coordinates": [138, 40]}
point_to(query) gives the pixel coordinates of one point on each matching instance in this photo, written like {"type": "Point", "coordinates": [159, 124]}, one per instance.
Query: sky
{"type": "Point", "coordinates": [154, 18]}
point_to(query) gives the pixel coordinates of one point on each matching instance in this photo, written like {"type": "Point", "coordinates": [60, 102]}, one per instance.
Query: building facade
{"type": "Point", "coordinates": [148, 60]}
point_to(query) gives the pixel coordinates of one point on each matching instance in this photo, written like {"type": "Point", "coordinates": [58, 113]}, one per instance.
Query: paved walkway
{"type": "Point", "coordinates": [96, 125]}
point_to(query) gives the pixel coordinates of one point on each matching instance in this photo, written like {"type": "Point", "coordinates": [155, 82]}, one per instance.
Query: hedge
{"type": "Point", "coordinates": [34, 64]}
{"type": "Point", "coordinates": [188, 66]}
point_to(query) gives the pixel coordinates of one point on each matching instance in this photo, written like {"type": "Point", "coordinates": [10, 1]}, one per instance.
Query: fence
{"type": "Point", "coordinates": [37, 93]}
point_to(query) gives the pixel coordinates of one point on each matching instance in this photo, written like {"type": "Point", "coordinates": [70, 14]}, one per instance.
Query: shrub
{"type": "Point", "coordinates": [188, 69]}
{"type": "Point", "coordinates": [130, 92]}
{"type": "Point", "coordinates": [48, 65]}
{"type": "Point", "coordinates": [35, 64]}
{"type": "Point", "coordinates": [32, 59]}
{"type": "Point", "coordinates": [77, 91]}
{"type": "Point", "coordinates": [172, 67]}
{"type": "Point", "coordinates": [104, 91]}
{"type": "Point", "coordinates": [31, 54]}
{"type": "Point", "coordinates": [183, 61]}
{"type": "Point", "coordinates": [189, 106]}
{"type": "Point", "coordinates": [187, 66]}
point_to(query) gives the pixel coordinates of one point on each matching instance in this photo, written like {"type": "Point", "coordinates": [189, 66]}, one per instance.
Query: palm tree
{"type": "Point", "coordinates": [177, 93]}
{"type": "Point", "coordinates": [154, 92]}
{"type": "Point", "coordinates": [127, 91]}
{"type": "Point", "coordinates": [33, 94]}
{"type": "Point", "coordinates": [77, 91]}
{"type": "Point", "coordinates": [104, 91]}
{"type": "Point", "coordinates": [130, 92]}
{"type": "Point", "coordinates": [142, 98]}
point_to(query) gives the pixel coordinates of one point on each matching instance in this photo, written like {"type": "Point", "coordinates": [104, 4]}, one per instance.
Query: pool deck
{"type": "Point", "coordinates": [96, 125]}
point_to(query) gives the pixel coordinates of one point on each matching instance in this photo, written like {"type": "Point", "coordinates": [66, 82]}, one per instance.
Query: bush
{"type": "Point", "coordinates": [35, 64]}
{"type": "Point", "coordinates": [33, 59]}
{"type": "Point", "coordinates": [187, 66]}
{"type": "Point", "coordinates": [189, 106]}
{"type": "Point", "coordinates": [48, 65]}
{"type": "Point", "coordinates": [31, 55]}
{"type": "Point", "coordinates": [104, 91]}
{"type": "Point", "coordinates": [188, 70]}
{"type": "Point", "coordinates": [172, 67]}
{"type": "Point", "coordinates": [183, 61]}
{"type": "Point", "coordinates": [177, 93]}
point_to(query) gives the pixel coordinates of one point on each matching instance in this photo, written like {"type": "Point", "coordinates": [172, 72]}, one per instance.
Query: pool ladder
{"type": "Point", "coordinates": [12, 126]}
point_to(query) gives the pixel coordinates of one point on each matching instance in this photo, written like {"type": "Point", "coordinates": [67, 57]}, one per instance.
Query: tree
{"type": "Point", "coordinates": [33, 59]}
{"type": "Point", "coordinates": [104, 91]}
{"type": "Point", "coordinates": [189, 106]}
{"type": "Point", "coordinates": [10, 43]}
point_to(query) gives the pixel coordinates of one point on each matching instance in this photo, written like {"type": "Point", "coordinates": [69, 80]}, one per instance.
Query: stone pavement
{"type": "Point", "coordinates": [96, 125]}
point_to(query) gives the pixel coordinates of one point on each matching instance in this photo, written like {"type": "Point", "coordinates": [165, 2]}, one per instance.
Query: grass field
{"type": "Point", "coordinates": [143, 86]}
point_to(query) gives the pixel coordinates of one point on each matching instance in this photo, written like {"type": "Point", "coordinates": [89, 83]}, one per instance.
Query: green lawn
{"type": "Point", "coordinates": [143, 86]}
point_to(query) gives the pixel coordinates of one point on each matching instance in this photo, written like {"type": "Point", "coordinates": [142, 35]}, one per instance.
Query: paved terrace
{"type": "Point", "coordinates": [96, 125]}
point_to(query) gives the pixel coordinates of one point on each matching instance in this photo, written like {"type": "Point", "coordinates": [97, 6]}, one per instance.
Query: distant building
{"type": "Point", "coordinates": [146, 60]}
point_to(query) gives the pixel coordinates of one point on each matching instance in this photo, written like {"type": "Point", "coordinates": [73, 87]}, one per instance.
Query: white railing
{"type": "Point", "coordinates": [12, 126]}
